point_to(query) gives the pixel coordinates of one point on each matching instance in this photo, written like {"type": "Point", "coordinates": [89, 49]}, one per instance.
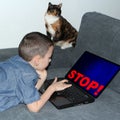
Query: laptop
{"type": "Point", "coordinates": [89, 77]}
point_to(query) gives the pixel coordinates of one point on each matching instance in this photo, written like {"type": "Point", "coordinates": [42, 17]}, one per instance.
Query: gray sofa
{"type": "Point", "coordinates": [99, 34]}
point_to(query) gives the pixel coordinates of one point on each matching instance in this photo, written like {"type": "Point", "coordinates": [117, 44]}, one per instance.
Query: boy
{"type": "Point", "coordinates": [21, 76]}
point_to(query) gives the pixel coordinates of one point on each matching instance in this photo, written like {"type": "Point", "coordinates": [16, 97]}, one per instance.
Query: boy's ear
{"type": "Point", "coordinates": [36, 59]}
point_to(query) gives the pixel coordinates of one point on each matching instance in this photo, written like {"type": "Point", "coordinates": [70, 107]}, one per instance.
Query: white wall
{"type": "Point", "coordinates": [18, 17]}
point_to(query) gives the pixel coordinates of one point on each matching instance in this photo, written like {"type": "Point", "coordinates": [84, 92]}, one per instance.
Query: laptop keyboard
{"type": "Point", "coordinates": [74, 94]}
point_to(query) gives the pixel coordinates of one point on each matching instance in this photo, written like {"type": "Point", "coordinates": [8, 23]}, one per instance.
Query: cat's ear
{"type": "Point", "coordinates": [60, 5]}
{"type": "Point", "coordinates": [49, 4]}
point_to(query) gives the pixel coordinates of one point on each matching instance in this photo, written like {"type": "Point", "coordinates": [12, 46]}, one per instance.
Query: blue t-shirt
{"type": "Point", "coordinates": [17, 83]}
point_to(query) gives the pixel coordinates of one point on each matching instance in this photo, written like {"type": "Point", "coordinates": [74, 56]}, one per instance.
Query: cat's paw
{"type": "Point", "coordinates": [65, 46]}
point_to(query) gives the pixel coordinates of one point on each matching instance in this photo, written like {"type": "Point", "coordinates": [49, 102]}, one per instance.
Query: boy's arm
{"type": "Point", "coordinates": [56, 86]}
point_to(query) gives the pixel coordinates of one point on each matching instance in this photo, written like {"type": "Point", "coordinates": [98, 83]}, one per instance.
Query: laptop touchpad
{"type": "Point", "coordinates": [59, 100]}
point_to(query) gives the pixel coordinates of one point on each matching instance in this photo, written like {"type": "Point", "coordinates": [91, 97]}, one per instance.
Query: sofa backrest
{"type": "Point", "coordinates": [100, 34]}
{"type": "Point", "coordinates": [7, 53]}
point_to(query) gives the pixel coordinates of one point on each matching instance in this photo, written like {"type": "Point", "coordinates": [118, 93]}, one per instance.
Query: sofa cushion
{"type": "Point", "coordinates": [105, 108]}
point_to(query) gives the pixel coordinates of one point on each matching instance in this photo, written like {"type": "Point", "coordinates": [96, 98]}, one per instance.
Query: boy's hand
{"type": "Point", "coordinates": [61, 85]}
{"type": "Point", "coordinates": [42, 74]}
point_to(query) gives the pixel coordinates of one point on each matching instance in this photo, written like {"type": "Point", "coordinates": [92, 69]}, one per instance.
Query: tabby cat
{"type": "Point", "coordinates": [58, 28]}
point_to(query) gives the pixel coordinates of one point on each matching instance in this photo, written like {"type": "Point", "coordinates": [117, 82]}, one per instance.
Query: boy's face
{"type": "Point", "coordinates": [43, 62]}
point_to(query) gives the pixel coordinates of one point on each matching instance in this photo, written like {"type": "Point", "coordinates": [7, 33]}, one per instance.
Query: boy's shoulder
{"type": "Point", "coordinates": [18, 64]}
{"type": "Point", "coordinates": [21, 64]}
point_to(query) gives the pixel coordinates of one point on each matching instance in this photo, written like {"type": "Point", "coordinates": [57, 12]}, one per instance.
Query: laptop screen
{"type": "Point", "coordinates": [92, 73]}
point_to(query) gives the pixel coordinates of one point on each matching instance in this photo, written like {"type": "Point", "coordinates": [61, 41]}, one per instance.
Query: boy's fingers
{"type": "Point", "coordinates": [67, 86]}
{"type": "Point", "coordinates": [65, 80]}
{"type": "Point", "coordinates": [65, 83]}
{"type": "Point", "coordinates": [55, 80]}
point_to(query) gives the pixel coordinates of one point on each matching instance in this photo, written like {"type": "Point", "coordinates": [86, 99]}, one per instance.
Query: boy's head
{"type": "Point", "coordinates": [33, 44]}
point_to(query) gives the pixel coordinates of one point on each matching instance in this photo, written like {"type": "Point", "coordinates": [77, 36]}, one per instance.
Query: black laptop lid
{"type": "Point", "coordinates": [92, 73]}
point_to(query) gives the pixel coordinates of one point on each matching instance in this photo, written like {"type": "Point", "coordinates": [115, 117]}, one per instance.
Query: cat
{"type": "Point", "coordinates": [58, 28]}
